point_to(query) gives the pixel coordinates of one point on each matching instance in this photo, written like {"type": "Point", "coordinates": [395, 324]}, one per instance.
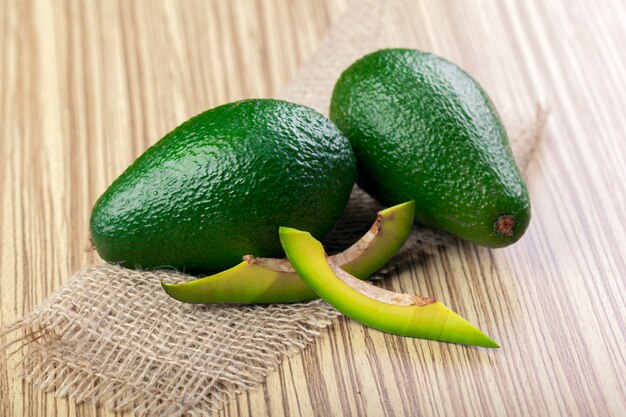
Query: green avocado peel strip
{"type": "Point", "coordinates": [395, 313]}
{"type": "Point", "coordinates": [269, 280]}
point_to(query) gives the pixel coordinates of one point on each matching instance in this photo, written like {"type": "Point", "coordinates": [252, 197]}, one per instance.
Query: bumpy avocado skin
{"type": "Point", "coordinates": [423, 129]}
{"type": "Point", "coordinates": [219, 186]}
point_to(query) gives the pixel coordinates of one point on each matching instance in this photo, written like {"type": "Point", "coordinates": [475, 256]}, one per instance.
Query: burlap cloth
{"type": "Point", "coordinates": [111, 335]}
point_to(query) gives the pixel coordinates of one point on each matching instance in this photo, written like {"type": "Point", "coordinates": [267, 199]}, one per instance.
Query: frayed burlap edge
{"type": "Point", "coordinates": [112, 335]}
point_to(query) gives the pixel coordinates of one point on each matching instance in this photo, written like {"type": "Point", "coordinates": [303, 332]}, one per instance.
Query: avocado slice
{"type": "Point", "coordinates": [253, 281]}
{"type": "Point", "coordinates": [270, 280]}
{"type": "Point", "coordinates": [385, 238]}
{"type": "Point", "coordinates": [395, 313]}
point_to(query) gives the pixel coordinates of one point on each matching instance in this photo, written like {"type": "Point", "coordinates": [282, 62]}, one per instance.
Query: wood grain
{"type": "Point", "coordinates": [85, 87]}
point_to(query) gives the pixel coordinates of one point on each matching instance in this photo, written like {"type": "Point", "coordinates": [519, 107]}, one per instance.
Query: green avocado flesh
{"type": "Point", "coordinates": [422, 129]}
{"type": "Point", "coordinates": [400, 314]}
{"type": "Point", "coordinates": [219, 186]}
{"type": "Point", "coordinates": [262, 280]}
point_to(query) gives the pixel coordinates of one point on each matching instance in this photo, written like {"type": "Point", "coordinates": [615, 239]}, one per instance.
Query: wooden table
{"type": "Point", "coordinates": [85, 87]}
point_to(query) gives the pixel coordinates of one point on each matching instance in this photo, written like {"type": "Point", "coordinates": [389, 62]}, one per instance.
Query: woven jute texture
{"type": "Point", "coordinates": [111, 335]}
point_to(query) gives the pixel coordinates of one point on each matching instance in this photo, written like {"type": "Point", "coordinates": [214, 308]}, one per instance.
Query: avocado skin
{"type": "Point", "coordinates": [219, 186]}
{"type": "Point", "coordinates": [421, 128]}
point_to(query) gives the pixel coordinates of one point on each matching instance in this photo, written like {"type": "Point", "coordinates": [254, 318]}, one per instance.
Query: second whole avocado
{"type": "Point", "coordinates": [423, 129]}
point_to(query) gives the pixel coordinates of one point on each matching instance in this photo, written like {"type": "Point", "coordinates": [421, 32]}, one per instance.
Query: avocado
{"type": "Point", "coordinates": [270, 280]}
{"type": "Point", "coordinates": [218, 187]}
{"type": "Point", "coordinates": [391, 312]}
{"type": "Point", "coordinates": [423, 129]}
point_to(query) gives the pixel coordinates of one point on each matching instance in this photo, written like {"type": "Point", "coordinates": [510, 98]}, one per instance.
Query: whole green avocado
{"type": "Point", "coordinates": [219, 186]}
{"type": "Point", "coordinates": [421, 128]}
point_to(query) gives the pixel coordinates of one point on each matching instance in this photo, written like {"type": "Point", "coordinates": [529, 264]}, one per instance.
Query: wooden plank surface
{"type": "Point", "coordinates": [85, 87]}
